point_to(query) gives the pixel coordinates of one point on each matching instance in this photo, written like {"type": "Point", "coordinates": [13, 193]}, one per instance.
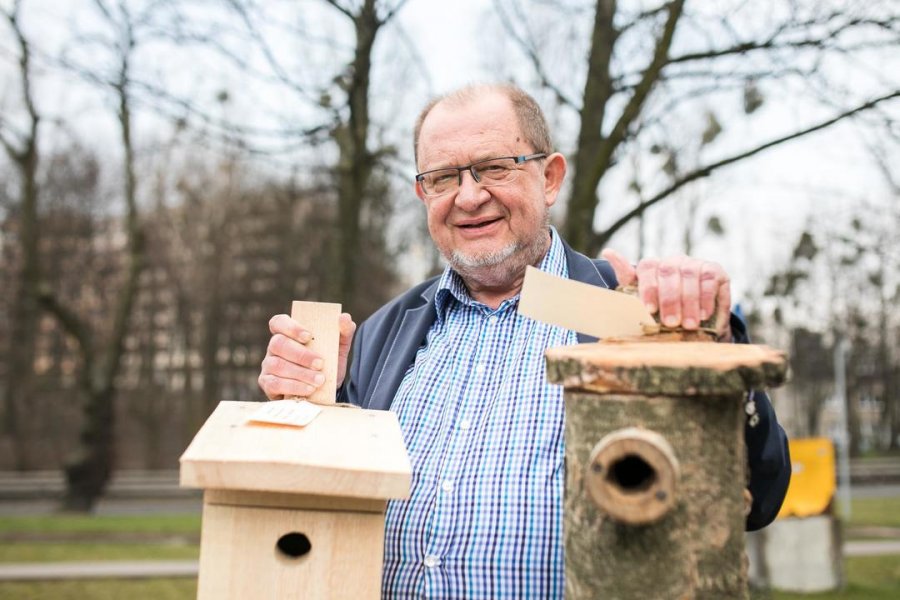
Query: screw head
{"type": "Point", "coordinates": [661, 495]}
{"type": "Point", "coordinates": [596, 467]}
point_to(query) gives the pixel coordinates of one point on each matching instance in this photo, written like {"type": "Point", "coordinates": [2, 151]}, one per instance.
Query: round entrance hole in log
{"type": "Point", "coordinates": [293, 545]}
{"type": "Point", "coordinates": [633, 476]}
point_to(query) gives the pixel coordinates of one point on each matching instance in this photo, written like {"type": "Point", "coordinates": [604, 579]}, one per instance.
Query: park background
{"type": "Point", "coordinates": [173, 173]}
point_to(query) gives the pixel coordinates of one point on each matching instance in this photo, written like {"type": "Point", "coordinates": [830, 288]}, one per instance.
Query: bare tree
{"type": "Point", "coordinates": [841, 283]}
{"type": "Point", "coordinates": [336, 98]}
{"type": "Point", "coordinates": [21, 145]}
{"type": "Point", "coordinates": [90, 468]}
{"type": "Point", "coordinates": [645, 67]}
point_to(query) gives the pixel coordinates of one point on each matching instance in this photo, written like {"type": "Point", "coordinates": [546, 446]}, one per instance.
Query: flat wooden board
{"type": "Point", "coordinates": [322, 320]}
{"type": "Point", "coordinates": [343, 452]}
{"type": "Point", "coordinates": [672, 368]}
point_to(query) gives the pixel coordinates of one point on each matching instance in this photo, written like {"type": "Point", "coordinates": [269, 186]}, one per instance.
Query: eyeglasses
{"type": "Point", "coordinates": [488, 172]}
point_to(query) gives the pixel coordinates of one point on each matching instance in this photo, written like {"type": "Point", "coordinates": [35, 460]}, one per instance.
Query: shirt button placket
{"type": "Point", "coordinates": [431, 561]}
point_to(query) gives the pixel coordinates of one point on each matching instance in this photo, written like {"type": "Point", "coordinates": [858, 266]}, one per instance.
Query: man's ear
{"type": "Point", "coordinates": [554, 173]}
{"type": "Point", "coordinates": [417, 187]}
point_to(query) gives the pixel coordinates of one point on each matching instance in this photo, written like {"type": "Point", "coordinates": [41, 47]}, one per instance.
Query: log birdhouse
{"type": "Point", "coordinates": [656, 467]}
{"type": "Point", "coordinates": [293, 512]}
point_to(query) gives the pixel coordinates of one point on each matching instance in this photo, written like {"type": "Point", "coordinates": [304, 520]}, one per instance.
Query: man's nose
{"type": "Point", "coordinates": [471, 194]}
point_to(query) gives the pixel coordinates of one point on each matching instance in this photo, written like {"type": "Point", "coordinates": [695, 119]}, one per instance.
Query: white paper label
{"type": "Point", "coordinates": [295, 413]}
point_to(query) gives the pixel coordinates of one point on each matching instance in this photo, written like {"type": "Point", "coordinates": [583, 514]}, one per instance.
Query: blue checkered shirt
{"type": "Point", "coordinates": [484, 431]}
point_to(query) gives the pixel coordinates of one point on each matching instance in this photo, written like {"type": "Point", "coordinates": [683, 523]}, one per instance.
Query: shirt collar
{"type": "Point", "coordinates": [451, 289]}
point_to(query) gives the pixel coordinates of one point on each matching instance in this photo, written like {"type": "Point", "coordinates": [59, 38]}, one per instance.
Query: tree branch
{"type": "Point", "coordinates": [392, 12]}
{"type": "Point", "coordinates": [347, 12]}
{"type": "Point", "coordinates": [532, 54]}
{"type": "Point", "coordinates": [772, 42]}
{"type": "Point", "coordinates": [600, 239]}
{"type": "Point", "coordinates": [636, 102]}
{"type": "Point", "coordinates": [68, 319]}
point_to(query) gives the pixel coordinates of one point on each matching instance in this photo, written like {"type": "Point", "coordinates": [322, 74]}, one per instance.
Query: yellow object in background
{"type": "Point", "coordinates": [812, 479]}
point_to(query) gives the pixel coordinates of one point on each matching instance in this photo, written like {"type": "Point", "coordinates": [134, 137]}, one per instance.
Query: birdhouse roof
{"type": "Point", "coordinates": [345, 452]}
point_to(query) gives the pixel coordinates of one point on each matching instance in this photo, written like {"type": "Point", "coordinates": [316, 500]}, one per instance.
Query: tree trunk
{"type": "Point", "coordinates": [355, 162]}
{"type": "Point", "coordinates": [89, 470]}
{"type": "Point", "coordinates": [579, 224]}
{"type": "Point", "coordinates": [24, 314]}
{"type": "Point", "coordinates": [25, 311]}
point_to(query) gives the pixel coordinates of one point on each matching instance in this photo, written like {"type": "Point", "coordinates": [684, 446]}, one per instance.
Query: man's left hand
{"type": "Point", "coordinates": [683, 289]}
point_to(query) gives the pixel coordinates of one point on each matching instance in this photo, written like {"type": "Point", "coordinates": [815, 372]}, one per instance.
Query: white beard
{"type": "Point", "coordinates": [497, 268]}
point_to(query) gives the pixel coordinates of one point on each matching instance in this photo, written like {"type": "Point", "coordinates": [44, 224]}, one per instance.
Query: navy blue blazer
{"type": "Point", "coordinates": [385, 345]}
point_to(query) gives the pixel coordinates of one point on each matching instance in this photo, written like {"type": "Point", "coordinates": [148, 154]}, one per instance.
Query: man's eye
{"type": "Point", "coordinates": [493, 170]}
{"type": "Point", "coordinates": [443, 178]}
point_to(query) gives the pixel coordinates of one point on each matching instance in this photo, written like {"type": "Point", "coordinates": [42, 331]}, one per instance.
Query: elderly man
{"type": "Point", "coordinates": [464, 372]}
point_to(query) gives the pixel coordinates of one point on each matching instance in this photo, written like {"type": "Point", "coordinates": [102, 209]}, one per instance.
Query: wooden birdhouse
{"type": "Point", "coordinates": [294, 512]}
{"type": "Point", "coordinates": [656, 467]}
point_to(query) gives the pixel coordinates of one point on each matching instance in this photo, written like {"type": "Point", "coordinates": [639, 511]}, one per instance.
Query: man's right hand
{"type": "Point", "coordinates": [292, 369]}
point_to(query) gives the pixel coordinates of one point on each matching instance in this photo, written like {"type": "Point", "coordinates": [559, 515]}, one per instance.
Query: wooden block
{"type": "Point", "coordinates": [343, 452]}
{"type": "Point", "coordinates": [245, 552]}
{"type": "Point", "coordinates": [321, 319]}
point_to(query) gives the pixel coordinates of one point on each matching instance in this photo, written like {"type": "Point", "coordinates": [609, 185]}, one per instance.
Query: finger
{"type": "Point", "coordinates": [287, 326]}
{"type": "Point", "coordinates": [690, 292]}
{"type": "Point", "coordinates": [648, 283]}
{"type": "Point", "coordinates": [293, 351]}
{"type": "Point", "coordinates": [669, 277]}
{"type": "Point", "coordinates": [282, 369]}
{"type": "Point", "coordinates": [625, 273]}
{"type": "Point", "coordinates": [710, 277]}
{"type": "Point", "coordinates": [347, 329]}
{"type": "Point", "coordinates": [277, 388]}
{"type": "Point", "coordinates": [723, 310]}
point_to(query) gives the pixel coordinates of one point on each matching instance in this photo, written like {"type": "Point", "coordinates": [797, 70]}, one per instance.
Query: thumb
{"type": "Point", "coordinates": [624, 270]}
{"type": "Point", "coordinates": [347, 328]}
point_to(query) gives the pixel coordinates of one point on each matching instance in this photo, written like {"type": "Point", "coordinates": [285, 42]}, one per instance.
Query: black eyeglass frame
{"type": "Point", "coordinates": [520, 159]}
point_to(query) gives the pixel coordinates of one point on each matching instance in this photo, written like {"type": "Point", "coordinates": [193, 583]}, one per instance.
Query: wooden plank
{"type": "Point", "coordinates": [282, 500]}
{"type": "Point", "coordinates": [240, 556]}
{"type": "Point", "coordinates": [321, 319]}
{"type": "Point", "coordinates": [672, 368]}
{"type": "Point", "coordinates": [343, 452]}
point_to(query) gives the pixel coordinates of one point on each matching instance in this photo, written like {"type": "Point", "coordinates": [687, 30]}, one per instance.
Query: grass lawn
{"type": "Point", "coordinates": [145, 589]}
{"type": "Point", "coordinates": [188, 524]}
{"type": "Point", "coordinates": [869, 578]}
{"type": "Point", "coordinates": [881, 512]}
{"type": "Point", "coordinates": [54, 538]}
{"type": "Point", "coordinates": [69, 551]}
{"type": "Point", "coordinates": [173, 537]}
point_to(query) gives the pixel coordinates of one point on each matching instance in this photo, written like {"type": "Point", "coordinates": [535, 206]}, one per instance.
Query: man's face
{"type": "Point", "coordinates": [481, 228]}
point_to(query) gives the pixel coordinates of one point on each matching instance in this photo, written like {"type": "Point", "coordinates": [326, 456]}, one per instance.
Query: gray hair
{"type": "Point", "coordinates": [528, 113]}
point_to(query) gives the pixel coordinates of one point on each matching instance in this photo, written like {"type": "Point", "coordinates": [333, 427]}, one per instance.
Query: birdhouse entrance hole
{"type": "Point", "coordinates": [632, 474]}
{"type": "Point", "coordinates": [293, 545]}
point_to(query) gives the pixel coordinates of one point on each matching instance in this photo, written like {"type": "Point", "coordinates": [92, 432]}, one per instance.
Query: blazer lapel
{"type": "Point", "coordinates": [410, 336]}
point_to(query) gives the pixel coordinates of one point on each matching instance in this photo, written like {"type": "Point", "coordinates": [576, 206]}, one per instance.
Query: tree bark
{"type": "Point", "coordinates": [686, 401]}
{"type": "Point", "coordinates": [355, 163]}
{"type": "Point", "coordinates": [24, 310]}
{"type": "Point", "coordinates": [594, 160]}
{"type": "Point", "coordinates": [90, 468]}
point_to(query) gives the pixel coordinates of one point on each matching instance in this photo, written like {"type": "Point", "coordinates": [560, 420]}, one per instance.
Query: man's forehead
{"type": "Point", "coordinates": [475, 129]}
